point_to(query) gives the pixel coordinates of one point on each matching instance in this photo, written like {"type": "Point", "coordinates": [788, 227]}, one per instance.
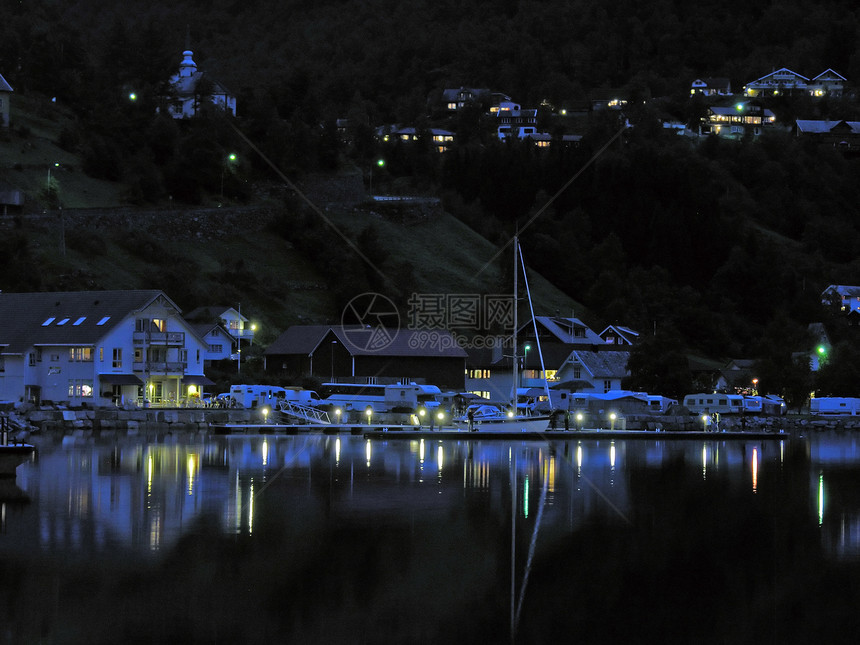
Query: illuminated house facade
{"type": "Point", "coordinates": [737, 121]}
{"type": "Point", "coordinates": [98, 348]}
{"type": "Point", "coordinates": [786, 82]}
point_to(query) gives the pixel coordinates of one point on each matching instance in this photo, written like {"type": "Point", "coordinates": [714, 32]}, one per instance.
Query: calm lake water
{"type": "Point", "coordinates": [341, 539]}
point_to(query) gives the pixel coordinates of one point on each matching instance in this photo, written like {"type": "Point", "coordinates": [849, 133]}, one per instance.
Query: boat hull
{"type": "Point", "coordinates": [514, 425]}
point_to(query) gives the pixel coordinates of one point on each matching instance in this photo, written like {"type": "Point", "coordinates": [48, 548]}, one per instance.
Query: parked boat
{"type": "Point", "coordinates": [488, 418]}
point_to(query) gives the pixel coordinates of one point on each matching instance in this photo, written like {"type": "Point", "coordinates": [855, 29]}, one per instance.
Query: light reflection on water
{"type": "Point", "coordinates": [353, 539]}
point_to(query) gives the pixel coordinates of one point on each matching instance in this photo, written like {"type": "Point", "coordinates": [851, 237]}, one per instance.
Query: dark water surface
{"type": "Point", "coordinates": [341, 539]}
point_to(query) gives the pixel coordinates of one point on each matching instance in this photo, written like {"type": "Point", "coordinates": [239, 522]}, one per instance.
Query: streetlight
{"type": "Point", "coordinates": [380, 164]}
{"type": "Point", "coordinates": [369, 413]}
{"type": "Point", "coordinates": [755, 386]}
{"type": "Point", "coordinates": [231, 158]}
{"type": "Point", "coordinates": [612, 417]}
{"type": "Point", "coordinates": [265, 414]}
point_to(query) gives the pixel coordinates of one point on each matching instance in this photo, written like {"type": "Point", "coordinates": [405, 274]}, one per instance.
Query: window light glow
{"type": "Point", "coordinates": [103, 320]}
{"type": "Point", "coordinates": [48, 321]}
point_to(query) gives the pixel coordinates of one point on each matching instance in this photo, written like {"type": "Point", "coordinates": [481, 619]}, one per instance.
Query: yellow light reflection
{"type": "Point", "coordinates": [149, 468]}
{"type": "Point", "coordinates": [421, 451]}
{"type": "Point", "coordinates": [612, 454]}
{"type": "Point", "coordinates": [265, 451]}
{"type": "Point", "coordinates": [337, 451]}
{"type": "Point", "coordinates": [579, 457]}
{"type": "Point", "coordinates": [705, 461]}
{"type": "Point", "coordinates": [755, 469]}
{"type": "Point", "coordinates": [191, 466]}
{"type": "Point", "coordinates": [367, 452]}
{"type": "Point", "coordinates": [549, 474]}
{"type": "Point", "coordinates": [440, 458]}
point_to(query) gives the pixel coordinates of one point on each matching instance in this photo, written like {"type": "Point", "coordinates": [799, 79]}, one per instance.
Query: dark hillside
{"type": "Point", "coordinates": [725, 245]}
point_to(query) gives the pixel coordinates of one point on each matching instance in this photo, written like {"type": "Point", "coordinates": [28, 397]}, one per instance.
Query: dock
{"type": "Point", "coordinates": [400, 431]}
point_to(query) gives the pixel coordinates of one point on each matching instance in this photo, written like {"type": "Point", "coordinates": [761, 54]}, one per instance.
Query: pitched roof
{"type": "Point", "coordinates": [604, 364]}
{"type": "Point", "coordinates": [368, 341]}
{"type": "Point", "coordinates": [67, 318]}
{"type": "Point", "coordinates": [4, 86]}
{"type": "Point", "coordinates": [564, 330]}
{"type": "Point", "coordinates": [811, 126]}
{"type": "Point", "coordinates": [829, 74]}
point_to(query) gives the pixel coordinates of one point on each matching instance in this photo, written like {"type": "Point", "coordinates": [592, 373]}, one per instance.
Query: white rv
{"type": "Point", "coordinates": [256, 396]}
{"type": "Point", "coordinates": [835, 405]}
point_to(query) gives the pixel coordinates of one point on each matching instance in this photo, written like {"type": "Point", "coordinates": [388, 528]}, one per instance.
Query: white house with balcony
{"type": "Point", "coordinates": [98, 348]}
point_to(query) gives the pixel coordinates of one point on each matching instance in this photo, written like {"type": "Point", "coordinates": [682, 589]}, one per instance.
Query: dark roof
{"type": "Point", "coordinates": [604, 364]}
{"type": "Point", "coordinates": [207, 313]}
{"type": "Point", "coordinates": [68, 317]}
{"type": "Point", "coordinates": [367, 341]}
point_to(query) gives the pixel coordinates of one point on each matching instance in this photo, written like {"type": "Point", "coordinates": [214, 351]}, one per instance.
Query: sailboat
{"type": "Point", "coordinates": [485, 418]}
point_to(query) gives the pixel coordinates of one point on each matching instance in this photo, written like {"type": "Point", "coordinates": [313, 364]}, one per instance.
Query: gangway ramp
{"type": "Point", "coordinates": [305, 413]}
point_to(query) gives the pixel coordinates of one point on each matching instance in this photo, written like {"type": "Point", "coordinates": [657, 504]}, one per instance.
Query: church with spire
{"type": "Point", "coordinates": [192, 87]}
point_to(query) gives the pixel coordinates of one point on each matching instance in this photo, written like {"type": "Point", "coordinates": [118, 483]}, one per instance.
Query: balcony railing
{"type": "Point", "coordinates": [166, 338]}
{"type": "Point", "coordinates": [159, 367]}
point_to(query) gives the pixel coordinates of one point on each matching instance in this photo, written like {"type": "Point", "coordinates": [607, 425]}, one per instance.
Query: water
{"type": "Point", "coordinates": [340, 539]}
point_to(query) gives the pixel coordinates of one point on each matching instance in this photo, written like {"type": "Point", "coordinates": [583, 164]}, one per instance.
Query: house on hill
{"type": "Point", "coordinates": [5, 96]}
{"type": "Point", "coordinates": [737, 121]}
{"type": "Point", "coordinates": [98, 348]}
{"type": "Point", "coordinates": [365, 355]}
{"type": "Point", "coordinates": [711, 87]}
{"type": "Point", "coordinates": [191, 87]}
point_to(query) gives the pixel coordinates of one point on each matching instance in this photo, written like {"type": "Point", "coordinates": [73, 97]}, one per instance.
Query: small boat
{"type": "Point", "coordinates": [489, 418]}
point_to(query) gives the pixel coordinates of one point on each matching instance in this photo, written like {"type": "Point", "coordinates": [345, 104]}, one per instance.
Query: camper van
{"type": "Point", "coordinates": [377, 398]}
{"type": "Point", "coordinates": [256, 396]}
{"type": "Point", "coordinates": [710, 402]}
{"type": "Point", "coordinates": [835, 405]}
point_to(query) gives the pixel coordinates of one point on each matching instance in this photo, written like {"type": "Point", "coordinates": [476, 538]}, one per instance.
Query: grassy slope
{"type": "Point", "coordinates": [276, 285]}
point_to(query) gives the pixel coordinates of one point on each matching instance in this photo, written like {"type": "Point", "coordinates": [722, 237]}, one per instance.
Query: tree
{"type": "Point", "coordinates": [658, 365]}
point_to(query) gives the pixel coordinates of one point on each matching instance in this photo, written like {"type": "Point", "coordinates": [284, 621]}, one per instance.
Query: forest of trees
{"type": "Point", "coordinates": [716, 247]}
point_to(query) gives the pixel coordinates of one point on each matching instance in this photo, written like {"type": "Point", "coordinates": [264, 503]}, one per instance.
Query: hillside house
{"type": "Point", "coordinates": [619, 335]}
{"type": "Point", "coordinates": [828, 83]}
{"type": "Point", "coordinates": [457, 99]}
{"type": "Point", "coordinates": [191, 87]}
{"type": "Point", "coordinates": [5, 97]}
{"type": "Point", "coordinates": [778, 83]}
{"type": "Point", "coordinates": [737, 121]}
{"type": "Point", "coordinates": [238, 327]}
{"type": "Point", "coordinates": [847, 297]}
{"type": "Point", "coordinates": [786, 82]}
{"type": "Point", "coordinates": [711, 87]}
{"type": "Point", "coordinates": [98, 348]}
{"type": "Point", "coordinates": [441, 139]}
{"type": "Point", "coordinates": [844, 135]}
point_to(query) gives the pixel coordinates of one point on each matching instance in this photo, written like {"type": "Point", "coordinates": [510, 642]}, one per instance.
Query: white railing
{"type": "Point", "coordinates": [304, 412]}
